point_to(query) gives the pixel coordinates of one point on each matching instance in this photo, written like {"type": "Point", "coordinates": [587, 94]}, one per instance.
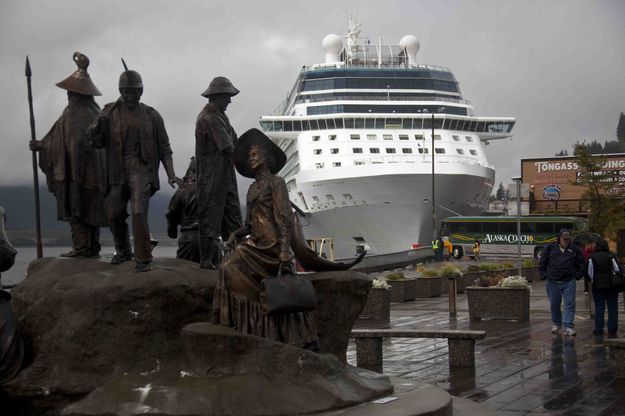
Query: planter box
{"type": "Point", "coordinates": [531, 274]}
{"type": "Point", "coordinates": [402, 290]}
{"type": "Point", "coordinates": [429, 287]}
{"type": "Point", "coordinates": [377, 309]}
{"type": "Point", "coordinates": [499, 302]}
{"type": "Point", "coordinates": [460, 284]}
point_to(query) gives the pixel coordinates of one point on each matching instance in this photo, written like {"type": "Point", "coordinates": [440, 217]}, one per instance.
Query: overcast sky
{"type": "Point", "coordinates": [557, 66]}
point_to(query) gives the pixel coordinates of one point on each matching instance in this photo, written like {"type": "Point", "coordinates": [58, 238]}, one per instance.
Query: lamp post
{"type": "Point", "coordinates": [440, 109]}
{"type": "Point", "coordinates": [517, 180]}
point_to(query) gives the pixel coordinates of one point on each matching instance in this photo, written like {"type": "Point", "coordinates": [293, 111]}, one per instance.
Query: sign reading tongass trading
{"type": "Point", "coordinates": [556, 179]}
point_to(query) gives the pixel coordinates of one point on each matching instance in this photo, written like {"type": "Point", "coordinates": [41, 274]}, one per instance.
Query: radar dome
{"type": "Point", "coordinates": [332, 44]}
{"type": "Point", "coordinates": [412, 46]}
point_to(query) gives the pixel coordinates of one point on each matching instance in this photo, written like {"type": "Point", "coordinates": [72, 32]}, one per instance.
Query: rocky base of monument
{"type": "Point", "coordinates": [87, 323]}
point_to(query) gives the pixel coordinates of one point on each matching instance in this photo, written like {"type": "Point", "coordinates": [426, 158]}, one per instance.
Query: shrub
{"type": "Point", "coordinates": [380, 284]}
{"type": "Point", "coordinates": [450, 271]}
{"type": "Point", "coordinates": [514, 281]}
{"type": "Point", "coordinates": [507, 265]}
{"type": "Point", "coordinates": [488, 267]}
{"type": "Point", "coordinates": [492, 280]}
{"type": "Point", "coordinates": [395, 276]}
{"type": "Point", "coordinates": [528, 263]}
{"type": "Point", "coordinates": [473, 268]}
{"type": "Point", "coordinates": [430, 273]}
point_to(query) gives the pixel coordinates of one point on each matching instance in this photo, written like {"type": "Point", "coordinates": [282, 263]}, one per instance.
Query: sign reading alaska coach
{"type": "Point", "coordinates": [507, 239]}
{"type": "Point", "coordinates": [555, 179]}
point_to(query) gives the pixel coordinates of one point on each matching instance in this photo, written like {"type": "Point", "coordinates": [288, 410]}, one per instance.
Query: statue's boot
{"type": "Point", "coordinates": [143, 243]}
{"type": "Point", "coordinates": [122, 242]}
{"type": "Point", "coordinates": [80, 240]}
{"type": "Point", "coordinates": [210, 253]}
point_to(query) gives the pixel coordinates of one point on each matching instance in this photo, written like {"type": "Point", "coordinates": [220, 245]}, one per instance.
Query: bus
{"type": "Point", "coordinates": [498, 235]}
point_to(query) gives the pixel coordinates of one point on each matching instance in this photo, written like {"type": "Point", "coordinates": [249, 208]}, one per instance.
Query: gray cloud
{"type": "Point", "coordinates": [557, 66]}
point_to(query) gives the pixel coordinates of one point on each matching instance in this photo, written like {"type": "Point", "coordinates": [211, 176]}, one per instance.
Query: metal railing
{"type": "Point", "coordinates": [562, 206]}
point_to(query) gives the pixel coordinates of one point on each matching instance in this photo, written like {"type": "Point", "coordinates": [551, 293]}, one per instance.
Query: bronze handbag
{"type": "Point", "coordinates": [287, 294]}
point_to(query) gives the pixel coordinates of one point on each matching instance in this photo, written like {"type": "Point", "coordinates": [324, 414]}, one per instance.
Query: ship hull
{"type": "Point", "coordinates": [392, 212]}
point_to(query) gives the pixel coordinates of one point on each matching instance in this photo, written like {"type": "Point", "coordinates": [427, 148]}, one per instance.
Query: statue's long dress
{"type": "Point", "coordinates": [236, 301]}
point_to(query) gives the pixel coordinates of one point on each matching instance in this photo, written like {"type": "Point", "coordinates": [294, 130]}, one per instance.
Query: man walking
{"type": "Point", "coordinates": [75, 170]}
{"type": "Point", "coordinates": [135, 141]}
{"type": "Point", "coordinates": [219, 212]}
{"type": "Point", "coordinates": [561, 264]}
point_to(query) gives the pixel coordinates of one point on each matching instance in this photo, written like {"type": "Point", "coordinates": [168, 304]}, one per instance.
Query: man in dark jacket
{"type": "Point", "coordinates": [182, 212]}
{"type": "Point", "coordinates": [561, 264]}
{"type": "Point", "coordinates": [135, 141]}
{"type": "Point", "coordinates": [219, 211]}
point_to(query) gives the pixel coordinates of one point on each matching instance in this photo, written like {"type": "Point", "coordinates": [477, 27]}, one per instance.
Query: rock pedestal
{"type": "Point", "coordinates": [87, 322]}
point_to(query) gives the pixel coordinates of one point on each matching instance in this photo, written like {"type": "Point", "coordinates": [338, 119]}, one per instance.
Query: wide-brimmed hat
{"type": "Point", "coordinates": [80, 81]}
{"type": "Point", "coordinates": [255, 137]}
{"type": "Point", "coordinates": [220, 85]}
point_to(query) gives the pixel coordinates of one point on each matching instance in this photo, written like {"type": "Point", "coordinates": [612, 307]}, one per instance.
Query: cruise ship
{"type": "Point", "coordinates": [365, 133]}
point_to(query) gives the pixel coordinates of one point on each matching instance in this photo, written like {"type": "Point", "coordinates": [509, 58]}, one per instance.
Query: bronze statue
{"type": "Point", "coordinates": [74, 170]}
{"type": "Point", "coordinates": [183, 212]}
{"type": "Point", "coordinates": [134, 138]}
{"type": "Point", "coordinates": [236, 301]}
{"type": "Point", "coordinates": [218, 199]}
{"type": "Point", "coordinates": [11, 345]}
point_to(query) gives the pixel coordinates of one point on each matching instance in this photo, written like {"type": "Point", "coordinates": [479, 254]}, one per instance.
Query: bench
{"type": "Point", "coordinates": [617, 351]}
{"type": "Point", "coordinates": [369, 345]}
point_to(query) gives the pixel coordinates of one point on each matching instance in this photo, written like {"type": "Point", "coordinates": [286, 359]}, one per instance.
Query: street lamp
{"type": "Point", "coordinates": [517, 180]}
{"type": "Point", "coordinates": [440, 109]}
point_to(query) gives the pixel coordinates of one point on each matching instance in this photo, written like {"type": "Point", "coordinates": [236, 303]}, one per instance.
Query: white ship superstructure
{"type": "Point", "coordinates": [357, 131]}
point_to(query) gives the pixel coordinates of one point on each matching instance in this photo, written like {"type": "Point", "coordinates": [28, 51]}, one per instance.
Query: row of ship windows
{"type": "Point", "coordinates": [332, 137]}
{"type": "Point", "coordinates": [392, 150]}
{"type": "Point", "coordinates": [330, 197]}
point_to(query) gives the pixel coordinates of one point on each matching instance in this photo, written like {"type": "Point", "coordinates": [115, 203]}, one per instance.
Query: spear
{"type": "Point", "coordinates": [35, 174]}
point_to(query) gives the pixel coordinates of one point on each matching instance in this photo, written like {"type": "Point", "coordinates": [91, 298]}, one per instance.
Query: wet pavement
{"type": "Point", "coordinates": [521, 368]}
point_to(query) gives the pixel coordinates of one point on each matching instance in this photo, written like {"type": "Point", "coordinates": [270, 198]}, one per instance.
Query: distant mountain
{"type": "Point", "coordinates": [18, 201]}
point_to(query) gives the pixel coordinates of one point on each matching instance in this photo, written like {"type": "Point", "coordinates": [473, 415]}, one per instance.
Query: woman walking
{"type": "Point", "coordinates": [601, 265]}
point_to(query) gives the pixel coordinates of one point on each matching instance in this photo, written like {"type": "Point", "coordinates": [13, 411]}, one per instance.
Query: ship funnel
{"type": "Point", "coordinates": [332, 44]}
{"type": "Point", "coordinates": [411, 45]}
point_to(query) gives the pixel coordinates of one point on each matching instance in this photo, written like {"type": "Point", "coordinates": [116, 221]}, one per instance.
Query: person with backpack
{"type": "Point", "coordinates": [562, 264]}
{"type": "Point", "coordinates": [602, 269]}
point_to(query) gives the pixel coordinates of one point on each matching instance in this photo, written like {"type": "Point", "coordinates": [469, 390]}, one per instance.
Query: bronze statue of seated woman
{"type": "Point", "coordinates": [265, 253]}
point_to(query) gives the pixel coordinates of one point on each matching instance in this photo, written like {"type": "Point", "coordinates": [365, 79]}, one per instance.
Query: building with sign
{"type": "Point", "coordinates": [554, 183]}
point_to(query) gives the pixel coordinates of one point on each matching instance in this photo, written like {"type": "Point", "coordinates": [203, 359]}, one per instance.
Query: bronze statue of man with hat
{"type": "Point", "coordinates": [135, 141]}
{"type": "Point", "coordinates": [218, 198]}
{"type": "Point", "coordinates": [75, 171]}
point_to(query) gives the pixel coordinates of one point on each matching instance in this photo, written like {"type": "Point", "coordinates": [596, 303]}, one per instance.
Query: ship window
{"type": "Point", "coordinates": [348, 196]}
{"type": "Point", "coordinates": [369, 123]}
{"type": "Point", "coordinates": [407, 123]}
{"type": "Point", "coordinates": [339, 123]}
{"type": "Point", "coordinates": [417, 123]}
{"type": "Point", "coordinates": [334, 151]}
{"type": "Point", "coordinates": [332, 137]}
{"type": "Point", "coordinates": [391, 150]}
{"type": "Point", "coordinates": [358, 162]}
{"type": "Point", "coordinates": [439, 150]}
{"type": "Point", "coordinates": [330, 123]}
{"type": "Point", "coordinates": [288, 126]}
{"type": "Point", "coordinates": [456, 138]}
{"type": "Point", "coordinates": [460, 151]}
{"type": "Point", "coordinates": [374, 150]}
{"type": "Point", "coordinates": [359, 123]}
{"type": "Point", "coordinates": [316, 138]}
{"type": "Point", "coordinates": [357, 149]}
{"type": "Point", "coordinates": [317, 151]}
{"type": "Point", "coordinates": [349, 123]}
{"type": "Point", "coordinates": [354, 136]}
{"type": "Point", "coordinates": [424, 151]}
{"type": "Point", "coordinates": [314, 125]}
{"type": "Point", "coordinates": [387, 136]}
{"type": "Point", "coordinates": [322, 124]}
{"type": "Point", "coordinates": [469, 138]}
{"type": "Point", "coordinates": [316, 198]}
{"type": "Point", "coordinates": [403, 137]}
{"type": "Point", "coordinates": [473, 152]}
{"type": "Point", "coordinates": [406, 150]}
{"type": "Point", "coordinates": [329, 197]}
{"type": "Point", "coordinates": [318, 166]}
{"type": "Point", "coordinates": [437, 137]}
{"type": "Point", "coordinates": [372, 136]}
{"type": "Point", "coordinates": [336, 164]}
{"type": "Point", "coordinates": [419, 137]}
{"type": "Point", "coordinates": [297, 125]}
